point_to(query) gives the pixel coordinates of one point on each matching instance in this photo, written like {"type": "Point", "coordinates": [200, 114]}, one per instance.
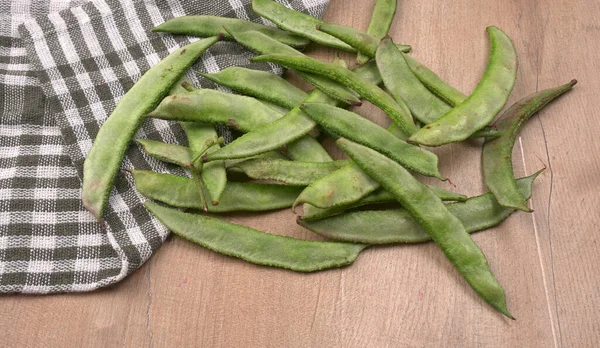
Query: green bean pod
{"type": "Point", "coordinates": [359, 129]}
{"type": "Point", "coordinates": [210, 106]}
{"type": "Point", "coordinates": [400, 114]}
{"type": "Point", "coordinates": [288, 172]}
{"type": "Point", "coordinates": [403, 84]}
{"type": "Point", "coordinates": [488, 98]}
{"type": "Point", "coordinates": [171, 153]}
{"type": "Point", "coordinates": [263, 44]}
{"type": "Point", "coordinates": [341, 187]}
{"type": "Point", "coordinates": [310, 212]}
{"type": "Point", "coordinates": [307, 149]}
{"type": "Point", "coordinates": [297, 23]}
{"type": "Point", "coordinates": [292, 126]}
{"type": "Point", "coordinates": [204, 26]}
{"type": "Point", "coordinates": [435, 84]}
{"type": "Point", "coordinates": [496, 157]}
{"type": "Point", "coordinates": [213, 174]}
{"type": "Point", "coordinates": [486, 132]}
{"type": "Point", "coordinates": [255, 246]}
{"type": "Point", "coordinates": [259, 84]}
{"type": "Point", "coordinates": [182, 192]}
{"type": "Point", "coordinates": [367, 45]}
{"type": "Point", "coordinates": [104, 159]}
{"type": "Point", "coordinates": [398, 226]}
{"type": "Point", "coordinates": [379, 26]}
{"type": "Point", "coordinates": [430, 212]}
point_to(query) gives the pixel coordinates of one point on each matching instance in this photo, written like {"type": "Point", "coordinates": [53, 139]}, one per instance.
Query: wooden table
{"type": "Point", "coordinates": [397, 296]}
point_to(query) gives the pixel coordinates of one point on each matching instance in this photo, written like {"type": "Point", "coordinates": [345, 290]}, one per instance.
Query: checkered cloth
{"type": "Point", "coordinates": [64, 65]}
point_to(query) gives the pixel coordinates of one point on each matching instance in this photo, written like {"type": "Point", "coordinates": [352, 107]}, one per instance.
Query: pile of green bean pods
{"type": "Point", "coordinates": [283, 126]}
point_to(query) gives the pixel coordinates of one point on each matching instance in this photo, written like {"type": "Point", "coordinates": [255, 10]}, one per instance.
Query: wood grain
{"type": "Point", "coordinates": [396, 296]}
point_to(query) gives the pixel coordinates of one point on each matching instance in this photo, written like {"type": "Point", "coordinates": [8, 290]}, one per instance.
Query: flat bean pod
{"type": "Point", "coordinates": [403, 84]}
{"type": "Point", "coordinates": [398, 226]}
{"type": "Point", "coordinates": [263, 44]}
{"type": "Point", "coordinates": [255, 246]}
{"type": "Point", "coordinates": [289, 172]}
{"type": "Point", "coordinates": [297, 23]}
{"type": "Point", "coordinates": [204, 26]}
{"type": "Point", "coordinates": [430, 212]}
{"type": "Point", "coordinates": [213, 174]}
{"type": "Point", "coordinates": [488, 98]}
{"type": "Point", "coordinates": [435, 84]}
{"type": "Point", "coordinates": [367, 45]}
{"type": "Point", "coordinates": [381, 21]}
{"type": "Point", "coordinates": [400, 114]}
{"type": "Point", "coordinates": [215, 107]}
{"type": "Point", "coordinates": [292, 126]}
{"type": "Point", "coordinates": [496, 157]}
{"type": "Point", "coordinates": [311, 212]}
{"type": "Point", "coordinates": [182, 192]}
{"type": "Point", "coordinates": [259, 84]}
{"type": "Point", "coordinates": [359, 129]}
{"type": "Point", "coordinates": [104, 159]}
{"type": "Point", "coordinates": [307, 149]}
{"type": "Point", "coordinates": [171, 153]}
{"type": "Point", "coordinates": [341, 187]}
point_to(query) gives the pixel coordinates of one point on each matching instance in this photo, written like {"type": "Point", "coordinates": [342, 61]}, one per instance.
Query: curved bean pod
{"type": "Point", "coordinates": [483, 104]}
{"type": "Point", "coordinates": [341, 187]}
{"type": "Point", "coordinates": [204, 26]}
{"type": "Point", "coordinates": [400, 114]}
{"type": "Point", "coordinates": [429, 211]}
{"type": "Point", "coordinates": [259, 84]}
{"type": "Point", "coordinates": [496, 156]}
{"type": "Point", "coordinates": [172, 153]}
{"type": "Point", "coordinates": [255, 246]}
{"type": "Point", "coordinates": [182, 192]}
{"type": "Point", "coordinates": [367, 45]}
{"type": "Point", "coordinates": [403, 84]}
{"type": "Point", "coordinates": [292, 126]}
{"type": "Point", "coordinates": [359, 129]}
{"type": "Point", "coordinates": [213, 174]}
{"type": "Point", "coordinates": [434, 83]}
{"type": "Point", "coordinates": [310, 212]}
{"type": "Point", "coordinates": [297, 23]}
{"type": "Point", "coordinates": [215, 107]}
{"type": "Point", "coordinates": [289, 172]}
{"type": "Point", "coordinates": [104, 159]}
{"type": "Point", "coordinates": [379, 26]}
{"type": "Point", "coordinates": [398, 226]}
{"type": "Point", "coordinates": [263, 44]}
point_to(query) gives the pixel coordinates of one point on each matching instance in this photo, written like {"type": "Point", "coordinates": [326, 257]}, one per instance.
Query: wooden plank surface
{"type": "Point", "coordinates": [397, 296]}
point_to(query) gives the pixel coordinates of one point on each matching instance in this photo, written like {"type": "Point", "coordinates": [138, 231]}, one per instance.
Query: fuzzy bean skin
{"type": "Point", "coordinates": [289, 172]}
{"type": "Point", "coordinates": [259, 84]}
{"type": "Point", "coordinates": [311, 212]}
{"type": "Point", "coordinates": [307, 149]}
{"type": "Point", "coordinates": [297, 23]}
{"type": "Point", "coordinates": [483, 104]}
{"type": "Point", "coordinates": [397, 226]}
{"type": "Point", "coordinates": [343, 186]}
{"type": "Point", "coordinates": [171, 153]}
{"type": "Point", "coordinates": [428, 210]}
{"type": "Point", "coordinates": [359, 129]}
{"type": "Point", "coordinates": [404, 85]}
{"type": "Point", "coordinates": [496, 156]}
{"type": "Point", "coordinates": [263, 44]}
{"type": "Point", "coordinates": [213, 174]}
{"type": "Point", "coordinates": [182, 192]}
{"type": "Point", "coordinates": [381, 21]}
{"type": "Point", "coordinates": [204, 26]}
{"type": "Point", "coordinates": [210, 106]}
{"type": "Point", "coordinates": [435, 84]}
{"type": "Point", "coordinates": [255, 246]}
{"type": "Point", "coordinates": [104, 159]}
{"type": "Point", "coordinates": [400, 114]}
